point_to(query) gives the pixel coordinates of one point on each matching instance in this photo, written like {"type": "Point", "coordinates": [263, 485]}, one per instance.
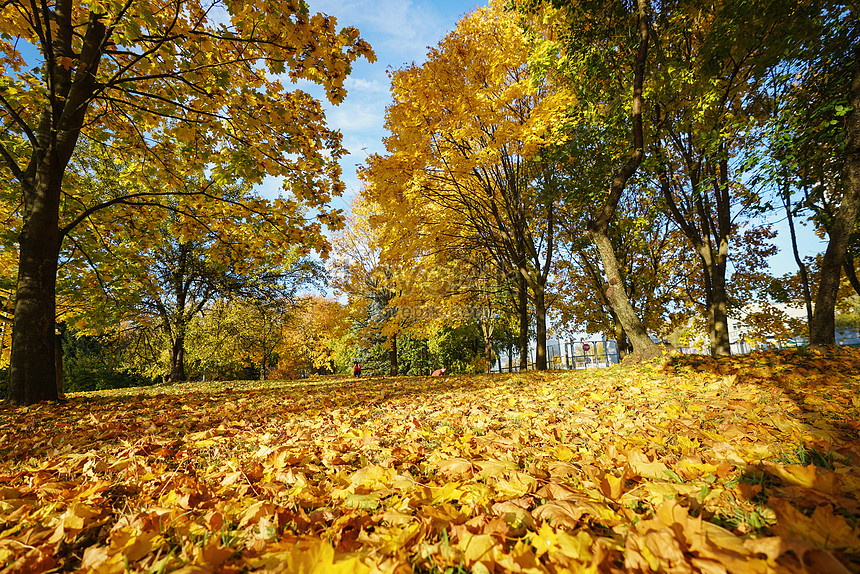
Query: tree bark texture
{"type": "Point", "coordinates": [540, 328]}
{"type": "Point", "coordinates": [717, 301]}
{"type": "Point", "coordinates": [177, 360]}
{"type": "Point", "coordinates": [523, 302]}
{"type": "Point", "coordinates": [643, 347]}
{"type": "Point", "coordinates": [392, 355]}
{"type": "Point", "coordinates": [823, 331]}
{"type": "Point", "coordinates": [487, 329]}
{"type": "Point", "coordinates": [32, 377]}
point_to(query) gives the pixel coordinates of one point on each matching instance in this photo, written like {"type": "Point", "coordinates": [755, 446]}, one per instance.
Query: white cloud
{"type": "Point", "coordinates": [355, 84]}
{"type": "Point", "coordinates": [349, 117]}
{"type": "Point", "coordinates": [399, 32]}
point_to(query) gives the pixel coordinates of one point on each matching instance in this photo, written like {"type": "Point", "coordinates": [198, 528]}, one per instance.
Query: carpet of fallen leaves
{"type": "Point", "coordinates": [692, 464]}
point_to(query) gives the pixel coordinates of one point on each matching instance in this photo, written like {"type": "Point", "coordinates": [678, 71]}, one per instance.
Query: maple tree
{"type": "Point", "coordinates": [300, 337]}
{"type": "Point", "coordinates": [155, 82]}
{"type": "Point", "coordinates": [463, 165]}
{"type": "Point", "coordinates": [369, 280]}
{"type": "Point", "coordinates": [702, 91]}
{"type": "Point", "coordinates": [643, 240]}
{"type": "Point", "coordinates": [818, 147]}
{"type": "Point", "coordinates": [823, 322]}
{"type": "Point", "coordinates": [316, 333]}
{"type": "Point", "coordinates": [607, 43]}
{"type": "Point", "coordinates": [214, 240]}
{"type": "Point", "coordinates": [705, 117]}
{"type": "Point", "coordinates": [786, 168]}
{"type": "Point", "coordinates": [258, 331]}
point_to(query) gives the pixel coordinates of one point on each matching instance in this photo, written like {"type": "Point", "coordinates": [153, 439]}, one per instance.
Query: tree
{"type": "Point", "coordinates": [702, 99]}
{"type": "Point", "coordinates": [708, 121]}
{"type": "Point", "coordinates": [315, 332]}
{"type": "Point", "coordinates": [842, 39]}
{"type": "Point", "coordinates": [464, 156]}
{"type": "Point", "coordinates": [260, 330]}
{"type": "Point", "coordinates": [369, 280]}
{"type": "Point", "coordinates": [215, 239]}
{"type": "Point", "coordinates": [184, 277]}
{"type": "Point", "coordinates": [155, 82]}
{"type": "Point", "coordinates": [643, 240]}
{"type": "Point", "coordinates": [598, 52]}
{"type": "Point", "coordinates": [807, 135]}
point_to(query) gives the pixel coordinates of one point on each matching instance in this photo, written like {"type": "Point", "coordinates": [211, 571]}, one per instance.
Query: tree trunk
{"type": "Point", "coordinates": [621, 342]}
{"type": "Point", "coordinates": [823, 330]}
{"type": "Point", "coordinates": [392, 355]}
{"type": "Point", "coordinates": [177, 360]}
{"type": "Point", "coordinates": [801, 266]}
{"type": "Point", "coordinates": [643, 347]}
{"type": "Point", "coordinates": [717, 314]}
{"type": "Point", "coordinates": [32, 378]}
{"type": "Point", "coordinates": [523, 296]}
{"type": "Point", "coordinates": [848, 266]}
{"type": "Point", "coordinates": [540, 328]}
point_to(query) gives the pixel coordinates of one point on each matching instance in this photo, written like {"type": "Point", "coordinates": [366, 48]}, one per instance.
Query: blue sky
{"type": "Point", "coordinates": [400, 32]}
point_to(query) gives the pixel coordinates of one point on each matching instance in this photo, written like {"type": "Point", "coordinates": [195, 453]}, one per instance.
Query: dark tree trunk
{"type": "Point", "coordinates": [718, 319]}
{"type": "Point", "coordinates": [540, 328]}
{"type": "Point", "coordinates": [823, 330]}
{"type": "Point", "coordinates": [177, 360]}
{"type": "Point", "coordinates": [392, 355]}
{"type": "Point", "coordinates": [621, 341]}
{"type": "Point", "coordinates": [523, 302]}
{"type": "Point", "coordinates": [487, 330]}
{"type": "Point", "coordinates": [848, 265]}
{"type": "Point", "coordinates": [717, 302]}
{"type": "Point", "coordinates": [32, 378]}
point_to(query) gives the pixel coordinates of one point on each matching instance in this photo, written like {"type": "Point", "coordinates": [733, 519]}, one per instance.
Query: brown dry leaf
{"type": "Point", "coordinates": [676, 467]}
{"type": "Point", "coordinates": [639, 465]}
{"type": "Point", "coordinates": [824, 528]}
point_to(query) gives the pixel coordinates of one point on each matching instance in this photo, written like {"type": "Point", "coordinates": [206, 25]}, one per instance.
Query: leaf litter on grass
{"type": "Point", "coordinates": [693, 464]}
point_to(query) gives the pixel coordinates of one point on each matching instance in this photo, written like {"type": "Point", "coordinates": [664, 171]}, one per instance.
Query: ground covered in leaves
{"type": "Point", "coordinates": [744, 464]}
